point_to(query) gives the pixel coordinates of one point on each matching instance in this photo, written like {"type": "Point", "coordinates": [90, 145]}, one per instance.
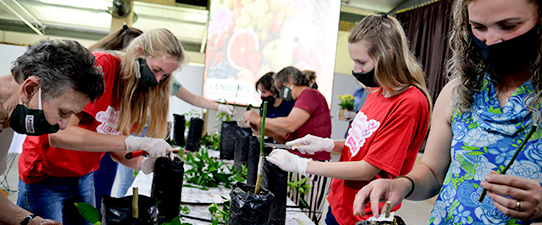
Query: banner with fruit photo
{"type": "Point", "coordinates": [248, 38]}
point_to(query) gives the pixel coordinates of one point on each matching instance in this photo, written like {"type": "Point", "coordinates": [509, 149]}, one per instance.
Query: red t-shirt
{"type": "Point", "coordinates": [386, 133]}
{"type": "Point", "coordinates": [318, 124]}
{"type": "Point", "coordinates": [39, 160]}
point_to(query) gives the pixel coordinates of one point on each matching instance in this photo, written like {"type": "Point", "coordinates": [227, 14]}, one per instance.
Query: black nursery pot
{"type": "Point", "coordinates": [167, 184]}
{"type": "Point", "coordinates": [117, 211]}
{"type": "Point", "coordinates": [275, 180]}
{"type": "Point", "coordinates": [178, 129]}
{"type": "Point", "coordinates": [242, 143]}
{"type": "Point", "coordinates": [195, 131]}
{"type": "Point", "coordinates": [247, 208]}
{"type": "Point", "coordinates": [228, 133]}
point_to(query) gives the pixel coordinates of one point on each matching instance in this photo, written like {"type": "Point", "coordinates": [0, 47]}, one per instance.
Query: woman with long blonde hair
{"type": "Point", "coordinates": [387, 132]}
{"type": "Point", "coordinates": [136, 83]}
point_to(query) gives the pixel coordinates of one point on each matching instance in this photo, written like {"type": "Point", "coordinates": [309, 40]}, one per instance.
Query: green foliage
{"type": "Point", "coordinates": [209, 172]}
{"type": "Point", "coordinates": [220, 212]}
{"type": "Point", "coordinates": [88, 212]}
{"type": "Point", "coordinates": [347, 102]}
{"type": "Point", "coordinates": [211, 141]}
{"type": "Point", "coordinates": [303, 187]}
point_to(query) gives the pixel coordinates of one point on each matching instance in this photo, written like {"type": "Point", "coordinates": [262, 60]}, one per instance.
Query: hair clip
{"type": "Point", "coordinates": [384, 15]}
{"type": "Point", "coordinates": [125, 27]}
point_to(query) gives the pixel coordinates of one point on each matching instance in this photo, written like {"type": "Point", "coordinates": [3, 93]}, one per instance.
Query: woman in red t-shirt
{"type": "Point", "coordinates": [387, 132]}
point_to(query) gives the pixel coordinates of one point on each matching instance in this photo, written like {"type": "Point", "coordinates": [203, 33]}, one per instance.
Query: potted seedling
{"type": "Point", "coordinates": [346, 104]}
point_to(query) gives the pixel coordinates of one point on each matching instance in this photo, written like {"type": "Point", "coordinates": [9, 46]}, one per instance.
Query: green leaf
{"type": "Point", "coordinates": [176, 221]}
{"type": "Point", "coordinates": [476, 153]}
{"type": "Point", "coordinates": [185, 210]}
{"type": "Point", "coordinates": [88, 212]}
{"type": "Point", "coordinates": [304, 203]}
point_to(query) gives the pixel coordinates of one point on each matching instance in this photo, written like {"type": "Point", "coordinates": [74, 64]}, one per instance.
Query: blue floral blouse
{"type": "Point", "coordinates": [485, 139]}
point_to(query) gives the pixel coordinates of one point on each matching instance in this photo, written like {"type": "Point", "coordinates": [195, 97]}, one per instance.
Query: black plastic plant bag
{"type": "Point", "coordinates": [247, 208]}
{"type": "Point", "coordinates": [242, 143]}
{"type": "Point", "coordinates": [118, 211]}
{"type": "Point", "coordinates": [178, 129]}
{"type": "Point", "coordinates": [275, 180]}
{"type": "Point", "coordinates": [195, 131]}
{"type": "Point", "coordinates": [228, 133]}
{"type": "Point", "coordinates": [167, 184]}
{"type": "Point", "coordinates": [253, 160]}
{"type": "Point", "coordinates": [398, 221]}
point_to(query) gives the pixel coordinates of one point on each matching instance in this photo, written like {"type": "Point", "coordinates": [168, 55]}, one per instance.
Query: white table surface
{"type": "Point", "coordinates": [193, 198]}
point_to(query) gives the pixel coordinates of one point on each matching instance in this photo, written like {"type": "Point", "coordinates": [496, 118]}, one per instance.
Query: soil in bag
{"type": "Point", "coordinates": [275, 180]}
{"type": "Point", "coordinates": [247, 208]}
{"type": "Point", "coordinates": [228, 133]}
{"type": "Point", "coordinates": [178, 129]}
{"type": "Point", "coordinates": [252, 160]}
{"type": "Point", "coordinates": [242, 143]}
{"type": "Point", "coordinates": [195, 132]}
{"type": "Point", "coordinates": [118, 211]}
{"type": "Point", "coordinates": [167, 184]}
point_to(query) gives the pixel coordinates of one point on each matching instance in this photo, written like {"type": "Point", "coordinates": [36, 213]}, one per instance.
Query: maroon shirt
{"type": "Point", "coordinates": [318, 124]}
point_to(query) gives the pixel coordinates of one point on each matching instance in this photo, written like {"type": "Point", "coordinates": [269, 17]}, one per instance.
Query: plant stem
{"type": "Point", "coordinates": [262, 137]}
{"type": "Point", "coordinates": [135, 203]}
{"type": "Point", "coordinates": [525, 139]}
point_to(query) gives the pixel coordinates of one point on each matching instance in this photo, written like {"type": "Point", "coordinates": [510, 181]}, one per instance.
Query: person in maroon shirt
{"type": "Point", "coordinates": [310, 116]}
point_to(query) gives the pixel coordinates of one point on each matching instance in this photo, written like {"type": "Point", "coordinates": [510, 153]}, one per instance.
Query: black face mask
{"type": "Point", "coordinates": [31, 121]}
{"type": "Point", "coordinates": [286, 93]}
{"type": "Point", "coordinates": [146, 77]}
{"type": "Point", "coordinates": [511, 55]}
{"type": "Point", "coordinates": [269, 99]}
{"type": "Point", "coordinates": [367, 79]}
{"type": "Point", "coordinates": [314, 86]}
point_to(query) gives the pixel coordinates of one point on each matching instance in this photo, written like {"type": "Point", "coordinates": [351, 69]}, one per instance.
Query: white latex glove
{"type": "Point", "coordinates": [155, 147]}
{"type": "Point", "coordinates": [288, 161]}
{"type": "Point", "coordinates": [147, 165]}
{"type": "Point", "coordinates": [349, 115]}
{"type": "Point", "coordinates": [311, 144]}
{"type": "Point", "coordinates": [228, 109]}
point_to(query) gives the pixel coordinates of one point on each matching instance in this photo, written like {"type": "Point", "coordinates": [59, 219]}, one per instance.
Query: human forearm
{"type": "Point", "coordinates": [280, 125]}
{"type": "Point", "coordinates": [339, 145]}
{"type": "Point", "coordinates": [195, 100]}
{"type": "Point", "coordinates": [426, 184]}
{"type": "Point", "coordinates": [11, 213]}
{"type": "Point", "coordinates": [77, 138]}
{"type": "Point", "coordinates": [355, 170]}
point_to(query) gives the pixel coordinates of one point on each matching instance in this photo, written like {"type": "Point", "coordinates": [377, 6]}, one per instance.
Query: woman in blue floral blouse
{"type": "Point", "coordinates": [480, 119]}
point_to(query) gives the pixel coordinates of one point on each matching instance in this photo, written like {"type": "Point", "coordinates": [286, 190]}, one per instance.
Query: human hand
{"type": "Point", "coordinates": [155, 147]}
{"type": "Point", "coordinates": [380, 190]}
{"type": "Point", "coordinates": [40, 221]}
{"type": "Point", "coordinates": [349, 115]}
{"type": "Point", "coordinates": [228, 109]}
{"type": "Point", "coordinates": [526, 195]}
{"type": "Point", "coordinates": [147, 165]}
{"type": "Point", "coordinates": [288, 161]}
{"type": "Point", "coordinates": [311, 144]}
{"type": "Point", "coordinates": [251, 117]}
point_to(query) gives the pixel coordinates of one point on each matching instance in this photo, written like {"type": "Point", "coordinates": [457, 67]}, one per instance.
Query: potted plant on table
{"type": "Point", "coordinates": [346, 104]}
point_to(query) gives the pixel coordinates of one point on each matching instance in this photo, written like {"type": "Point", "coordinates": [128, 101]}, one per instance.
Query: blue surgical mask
{"type": "Point", "coordinates": [31, 121]}
{"type": "Point", "coordinates": [146, 77]}
{"type": "Point", "coordinates": [286, 93]}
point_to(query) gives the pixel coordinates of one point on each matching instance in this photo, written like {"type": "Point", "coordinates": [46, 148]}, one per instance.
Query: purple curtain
{"type": "Point", "coordinates": [427, 30]}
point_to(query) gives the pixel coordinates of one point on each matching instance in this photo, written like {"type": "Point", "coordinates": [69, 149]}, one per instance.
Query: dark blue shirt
{"type": "Point", "coordinates": [283, 110]}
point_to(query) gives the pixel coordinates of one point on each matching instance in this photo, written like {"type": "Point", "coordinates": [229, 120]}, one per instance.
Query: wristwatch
{"type": "Point", "coordinates": [27, 219]}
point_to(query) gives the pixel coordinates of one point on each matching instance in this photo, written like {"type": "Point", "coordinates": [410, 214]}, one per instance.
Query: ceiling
{"type": "Point", "coordinates": [91, 19]}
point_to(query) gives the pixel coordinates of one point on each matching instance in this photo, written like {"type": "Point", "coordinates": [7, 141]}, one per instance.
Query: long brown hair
{"type": "Point", "coordinates": [394, 70]}
{"type": "Point", "coordinates": [467, 65]}
{"type": "Point", "coordinates": [135, 102]}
